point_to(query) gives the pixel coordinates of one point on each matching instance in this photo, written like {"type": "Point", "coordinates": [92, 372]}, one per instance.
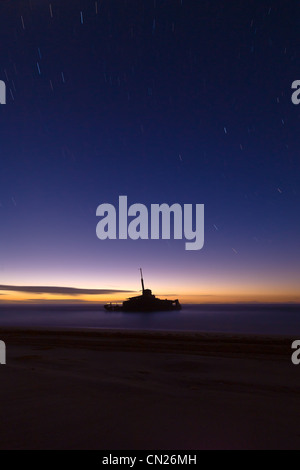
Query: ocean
{"type": "Point", "coordinates": [237, 318]}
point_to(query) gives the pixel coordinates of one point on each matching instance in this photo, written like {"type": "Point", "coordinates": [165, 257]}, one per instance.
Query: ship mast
{"type": "Point", "coordinates": [143, 287]}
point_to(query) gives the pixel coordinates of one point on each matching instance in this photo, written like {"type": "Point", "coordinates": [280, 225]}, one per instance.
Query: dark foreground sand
{"type": "Point", "coordinates": [132, 390]}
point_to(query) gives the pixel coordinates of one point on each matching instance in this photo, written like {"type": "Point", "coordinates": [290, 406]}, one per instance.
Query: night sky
{"type": "Point", "coordinates": [178, 101]}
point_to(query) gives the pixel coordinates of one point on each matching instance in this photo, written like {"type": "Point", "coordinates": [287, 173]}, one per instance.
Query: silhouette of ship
{"type": "Point", "coordinates": [147, 302]}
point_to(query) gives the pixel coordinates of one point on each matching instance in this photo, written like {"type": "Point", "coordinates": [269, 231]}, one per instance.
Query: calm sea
{"type": "Point", "coordinates": [237, 318]}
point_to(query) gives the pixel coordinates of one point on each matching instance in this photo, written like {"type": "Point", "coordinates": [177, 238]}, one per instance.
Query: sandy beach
{"type": "Point", "coordinates": [86, 389]}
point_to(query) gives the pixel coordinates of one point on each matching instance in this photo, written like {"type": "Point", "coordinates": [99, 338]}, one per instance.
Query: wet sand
{"type": "Point", "coordinates": [147, 390]}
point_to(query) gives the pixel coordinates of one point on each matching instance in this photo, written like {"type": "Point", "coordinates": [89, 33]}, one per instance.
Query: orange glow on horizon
{"type": "Point", "coordinates": [222, 296]}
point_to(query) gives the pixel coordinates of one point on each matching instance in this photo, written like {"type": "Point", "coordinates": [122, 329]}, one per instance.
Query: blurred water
{"type": "Point", "coordinates": [237, 318]}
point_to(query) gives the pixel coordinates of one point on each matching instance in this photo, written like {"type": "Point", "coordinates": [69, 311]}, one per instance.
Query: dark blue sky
{"type": "Point", "coordinates": [163, 101]}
